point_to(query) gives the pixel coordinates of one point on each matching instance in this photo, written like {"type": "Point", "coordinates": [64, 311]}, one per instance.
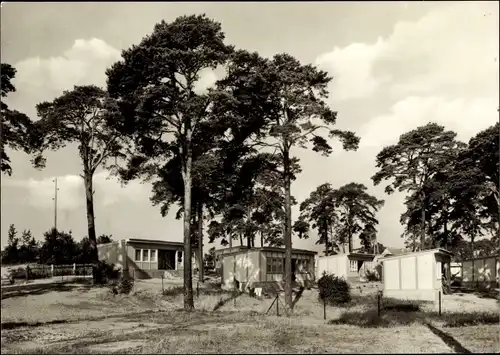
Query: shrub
{"type": "Point", "coordinates": [372, 276]}
{"type": "Point", "coordinates": [125, 285]}
{"type": "Point", "coordinates": [103, 272]}
{"type": "Point", "coordinates": [334, 290]}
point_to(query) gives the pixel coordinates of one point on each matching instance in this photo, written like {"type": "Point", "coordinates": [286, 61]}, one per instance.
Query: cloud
{"type": "Point", "coordinates": [351, 68]}
{"type": "Point", "coordinates": [83, 64]}
{"type": "Point", "coordinates": [42, 79]}
{"type": "Point", "coordinates": [206, 80]}
{"type": "Point", "coordinates": [465, 116]}
{"type": "Point", "coordinates": [453, 49]}
{"type": "Point", "coordinates": [71, 192]}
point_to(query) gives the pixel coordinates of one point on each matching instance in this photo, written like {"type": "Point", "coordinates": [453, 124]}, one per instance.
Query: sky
{"type": "Point", "coordinates": [395, 66]}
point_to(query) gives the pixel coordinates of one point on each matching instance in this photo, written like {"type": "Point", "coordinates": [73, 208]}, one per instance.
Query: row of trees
{"type": "Point", "coordinates": [225, 153]}
{"type": "Point", "coordinates": [339, 215]}
{"type": "Point", "coordinates": [214, 152]}
{"type": "Point", "coordinates": [452, 187]}
{"type": "Point", "coordinates": [58, 247]}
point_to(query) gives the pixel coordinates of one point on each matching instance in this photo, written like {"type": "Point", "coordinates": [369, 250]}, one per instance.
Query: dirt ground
{"type": "Point", "coordinates": [219, 332]}
{"type": "Point", "coordinates": [98, 321]}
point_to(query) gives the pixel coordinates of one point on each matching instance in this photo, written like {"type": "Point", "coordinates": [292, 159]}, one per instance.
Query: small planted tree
{"type": "Point", "coordinates": [334, 290]}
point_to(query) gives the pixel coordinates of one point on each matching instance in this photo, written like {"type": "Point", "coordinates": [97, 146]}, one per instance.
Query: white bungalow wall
{"type": "Point", "coordinates": [333, 264]}
{"type": "Point", "coordinates": [416, 276]}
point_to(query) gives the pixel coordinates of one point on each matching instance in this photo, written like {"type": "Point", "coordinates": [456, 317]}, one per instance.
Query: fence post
{"type": "Point", "coordinates": [324, 308]}
{"type": "Point", "coordinates": [74, 269]}
{"type": "Point", "coordinates": [52, 270]}
{"type": "Point", "coordinates": [198, 289]}
{"type": "Point", "coordinates": [378, 303]}
{"type": "Point", "coordinates": [439, 303]}
{"type": "Point", "coordinates": [234, 292]}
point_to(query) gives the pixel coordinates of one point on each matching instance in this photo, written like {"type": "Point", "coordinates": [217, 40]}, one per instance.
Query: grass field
{"type": "Point", "coordinates": [96, 321]}
{"type": "Point", "coordinates": [220, 332]}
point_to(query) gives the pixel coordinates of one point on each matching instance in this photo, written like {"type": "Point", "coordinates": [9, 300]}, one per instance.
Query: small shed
{"type": "Point", "coordinates": [483, 270]}
{"type": "Point", "coordinates": [265, 266]}
{"type": "Point", "coordinates": [351, 266]}
{"type": "Point", "coordinates": [416, 276]}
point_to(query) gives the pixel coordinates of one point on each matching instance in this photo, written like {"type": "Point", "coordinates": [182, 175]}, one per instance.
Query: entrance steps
{"type": "Point", "coordinates": [172, 274]}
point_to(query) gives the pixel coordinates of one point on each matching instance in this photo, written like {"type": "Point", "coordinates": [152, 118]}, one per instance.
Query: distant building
{"type": "Point", "coordinates": [352, 267]}
{"type": "Point", "coordinates": [260, 267]}
{"type": "Point", "coordinates": [418, 276]}
{"type": "Point", "coordinates": [144, 258]}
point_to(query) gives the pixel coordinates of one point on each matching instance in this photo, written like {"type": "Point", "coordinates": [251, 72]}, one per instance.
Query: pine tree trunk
{"type": "Point", "coordinates": [288, 227]}
{"type": "Point", "coordinates": [89, 196]}
{"type": "Point", "coordinates": [188, 272]}
{"type": "Point", "coordinates": [472, 257]}
{"type": "Point", "coordinates": [241, 239]}
{"type": "Point", "coordinates": [201, 272]}
{"type": "Point", "coordinates": [326, 241]}
{"type": "Point", "coordinates": [350, 242]}
{"type": "Point", "coordinates": [422, 223]}
{"type": "Point", "coordinates": [261, 239]}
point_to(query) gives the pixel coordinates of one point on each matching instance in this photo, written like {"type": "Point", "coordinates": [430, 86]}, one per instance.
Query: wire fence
{"type": "Point", "coordinates": [40, 271]}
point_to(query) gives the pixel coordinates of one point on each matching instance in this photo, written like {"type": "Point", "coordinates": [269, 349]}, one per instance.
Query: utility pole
{"type": "Point", "coordinates": [55, 203]}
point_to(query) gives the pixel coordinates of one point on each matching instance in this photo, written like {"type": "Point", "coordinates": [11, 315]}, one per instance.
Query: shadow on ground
{"type": "Point", "coordinates": [222, 302]}
{"type": "Point", "coordinates": [40, 289]}
{"type": "Point", "coordinates": [448, 340]}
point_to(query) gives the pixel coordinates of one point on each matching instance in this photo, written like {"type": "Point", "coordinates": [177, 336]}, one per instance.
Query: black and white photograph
{"type": "Point", "coordinates": [287, 177]}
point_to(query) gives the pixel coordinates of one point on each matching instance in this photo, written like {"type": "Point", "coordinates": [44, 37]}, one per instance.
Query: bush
{"type": "Point", "coordinates": [335, 290]}
{"type": "Point", "coordinates": [371, 276]}
{"type": "Point", "coordinates": [103, 272]}
{"type": "Point", "coordinates": [123, 286]}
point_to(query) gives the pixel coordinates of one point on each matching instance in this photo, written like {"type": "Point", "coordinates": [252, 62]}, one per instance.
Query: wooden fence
{"type": "Point", "coordinates": [31, 272]}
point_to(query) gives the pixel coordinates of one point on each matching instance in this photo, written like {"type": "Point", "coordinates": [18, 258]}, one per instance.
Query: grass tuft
{"type": "Point", "coordinates": [453, 320]}
{"type": "Point", "coordinates": [409, 314]}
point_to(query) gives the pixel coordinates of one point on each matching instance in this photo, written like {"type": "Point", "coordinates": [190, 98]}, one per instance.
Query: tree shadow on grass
{"type": "Point", "coordinates": [40, 289]}
{"type": "Point", "coordinates": [298, 295]}
{"type": "Point", "coordinates": [222, 302]}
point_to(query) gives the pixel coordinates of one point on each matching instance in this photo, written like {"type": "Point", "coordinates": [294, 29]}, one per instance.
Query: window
{"type": "Point", "coordinates": [275, 265]}
{"type": "Point", "coordinates": [138, 255]}
{"type": "Point", "coordinates": [153, 255]}
{"type": "Point", "coordinates": [353, 266]}
{"type": "Point", "coordinates": [145, 255]}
